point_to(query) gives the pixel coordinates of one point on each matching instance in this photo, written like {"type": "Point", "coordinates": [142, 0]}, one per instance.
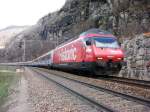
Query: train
{"type": "Point", "coordinates": [94, 50]}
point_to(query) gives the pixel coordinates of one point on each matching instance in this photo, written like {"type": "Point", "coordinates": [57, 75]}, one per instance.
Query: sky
{"type": "Point", "coordinates": [26, 12]}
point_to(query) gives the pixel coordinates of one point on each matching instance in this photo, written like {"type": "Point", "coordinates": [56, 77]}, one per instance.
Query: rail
{"type": "Point", "coordinates": [125, 96]}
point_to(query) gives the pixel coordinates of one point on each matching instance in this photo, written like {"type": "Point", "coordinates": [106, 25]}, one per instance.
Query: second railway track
{"type": "Point", "coordinates": [132, 82]}
{"type": "Point", "coordinates": [131, 103]}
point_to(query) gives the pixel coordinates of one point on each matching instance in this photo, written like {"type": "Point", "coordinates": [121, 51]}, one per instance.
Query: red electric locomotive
{"type": "Point", "coordinates": [93, 50]}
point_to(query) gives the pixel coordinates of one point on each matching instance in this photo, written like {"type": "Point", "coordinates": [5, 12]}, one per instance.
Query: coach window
{"type": "Point", "coordinates": [49, 56]}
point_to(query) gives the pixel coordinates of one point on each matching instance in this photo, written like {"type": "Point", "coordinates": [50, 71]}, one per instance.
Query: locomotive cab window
{"type": "Point", "coordinates": [88, 41]}
{"type": "Point", "coordinates": [106, 42]}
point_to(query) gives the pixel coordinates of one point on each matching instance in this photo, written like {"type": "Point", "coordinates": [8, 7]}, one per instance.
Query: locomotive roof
{"type": "Point", "coordinates": [95, 32]}
{"type": "Point", "coordinates": [90, 33]}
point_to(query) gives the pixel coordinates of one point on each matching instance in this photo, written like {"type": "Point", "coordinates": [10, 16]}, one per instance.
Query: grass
{"type": "Point", "coordinates": [10, 68]}
{"type": "Point", "coordinates": [7, 77]}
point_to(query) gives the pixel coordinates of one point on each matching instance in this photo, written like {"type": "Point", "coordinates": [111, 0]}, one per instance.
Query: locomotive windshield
{"type": "Point", "coordinates": [106, 42]}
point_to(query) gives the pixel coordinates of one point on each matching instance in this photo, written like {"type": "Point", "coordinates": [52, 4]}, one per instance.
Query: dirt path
{"type": "Point", "coordinates": [34, 93]}
{"type": "Point", "coordinates": [18, 100]}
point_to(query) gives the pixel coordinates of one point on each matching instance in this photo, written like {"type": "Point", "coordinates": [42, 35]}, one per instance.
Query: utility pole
{"type": "Point", "coordinates": [24, 50]}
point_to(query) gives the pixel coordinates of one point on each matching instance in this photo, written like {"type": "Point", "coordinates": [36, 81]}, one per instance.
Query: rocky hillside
{"type": "Point", "coordinates": [8, 33]}
{"type": "Point", "coordinates": [6, 37]}
{"type": "Point", "coordinates": [122, 17]}
{"type": "Point", "coordinates": [127, 19]}
{"type": "Point", "coordinates": [137, 57]}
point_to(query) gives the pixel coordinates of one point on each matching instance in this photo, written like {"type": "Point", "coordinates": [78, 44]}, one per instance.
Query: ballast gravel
{"type": "Point", "coordinates": [116, 103]}
{"type": "Point", "coordinates": [122, 88]}
{"type": "Point", "coordinates": [45, 96]}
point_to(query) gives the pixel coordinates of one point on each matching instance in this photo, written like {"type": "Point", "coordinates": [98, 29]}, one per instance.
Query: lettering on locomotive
{"type": "Point", "coordinates": [68, 54]}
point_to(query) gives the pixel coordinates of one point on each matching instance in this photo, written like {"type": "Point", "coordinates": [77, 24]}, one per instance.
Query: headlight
{"type": "Point", "coordinates": [119, 58]}
{"type": "Point", "coordinates": [100, 58]}
{"type": "Point", "coordinates": [88, 50]}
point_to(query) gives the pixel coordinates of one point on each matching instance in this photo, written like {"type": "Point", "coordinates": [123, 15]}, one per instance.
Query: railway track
{"type": "Point", "coordinates": [82, 97]}
{"type": "Point", "coordinates": [127, 81]}
{"type": "Point", "coordinates": [139, 101]}
{"type": "Point", "coordinates": [132, 82]}
{"type": "Point", "coordinates": [134, 89]}
{"type": "Point", "coordinates": [121, 80]}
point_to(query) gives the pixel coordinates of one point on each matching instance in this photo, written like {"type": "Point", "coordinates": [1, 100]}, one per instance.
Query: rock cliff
{"type": "Point", "coordinates": [137, 57]}
{"type": "Point", "coordinates": [6, 36]}
{"type": "Point", "coordinates": [122, 17]}
{"type": "Point", "coordinates": [8, 33]}
{"type": "Point", "coordinates": [127, 19]}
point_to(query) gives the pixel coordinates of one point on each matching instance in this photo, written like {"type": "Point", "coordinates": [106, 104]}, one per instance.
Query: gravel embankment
{"type": "Point", "coordinates": [117, 103]}
{"type": "Point", "coordinates": [45, 96]}
{"type": "Point", "coordinates": [127, 89]}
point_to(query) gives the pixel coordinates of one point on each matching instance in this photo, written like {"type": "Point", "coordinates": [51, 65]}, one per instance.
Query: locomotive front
{"type": "Point", "coordinates": [108, 52]}
{"type": "Point", "coordinates": [105, 51]}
